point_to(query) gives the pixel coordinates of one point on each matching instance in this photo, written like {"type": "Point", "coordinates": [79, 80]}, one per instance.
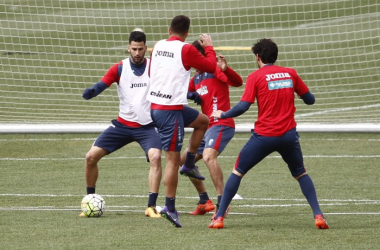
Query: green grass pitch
{"type": "Point", "coordinates": [42, 185]}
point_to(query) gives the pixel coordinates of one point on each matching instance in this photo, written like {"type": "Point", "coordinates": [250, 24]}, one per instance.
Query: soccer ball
{"type": "Point", "coordinates": [93, 205]}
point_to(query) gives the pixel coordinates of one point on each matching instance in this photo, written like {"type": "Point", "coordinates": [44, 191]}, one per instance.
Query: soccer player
{"type": "Point", "coordinates": [171, 61]}
{"type": "Point", "coordinates": [134, 123]}
{"type": "Point", "coordinates": [211, 91]}
{"type": "Point", "coordinates": [275, 129]}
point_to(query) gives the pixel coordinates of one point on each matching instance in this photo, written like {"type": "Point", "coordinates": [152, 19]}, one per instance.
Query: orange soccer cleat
{"type": "Point", "coordinates": [203, 208]}
{"type": "Point", "coordinates": [320, 222]}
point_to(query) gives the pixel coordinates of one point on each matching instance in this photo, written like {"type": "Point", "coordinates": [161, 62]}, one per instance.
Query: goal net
{"type": "Point", "coordinates": [52, 50]}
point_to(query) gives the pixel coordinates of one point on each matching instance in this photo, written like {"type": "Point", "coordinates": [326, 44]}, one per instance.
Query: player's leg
{"type": "Point", "coordinates": [216, 139]}
{"type": "Point", "coordinates": [204, 204]}
{"type": "Point", "coordinates": [292, 154]}
{"type": "Point", "coordinates": [200, 125]}
{"type": "Point", "coordinates": [110, 140]}
{"type": "Point", "coordinates": [256, 149]}
{"type": "Point", "coordinates": [171, 128]}
{"type": "Point", "coordinates": [91, 169]}
{"type": "Point", "coordinates": [199, 122]}
{"type": "Point", "coordinates": [210, 158]}
{"type": "Point", "coordinates": [150, 142]}
{"type": "Point", "coordinates": [171, 183]}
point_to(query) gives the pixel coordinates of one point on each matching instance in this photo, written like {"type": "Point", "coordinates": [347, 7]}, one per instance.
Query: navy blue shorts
{"type": "Point", "coordinates": [171, 126]}
{"type": "Point", "coordinates": [119, 135]}
{"type": "Point", "coordinates": [216, 137]}
{"type": "Point", "coordinates": [258, 147]}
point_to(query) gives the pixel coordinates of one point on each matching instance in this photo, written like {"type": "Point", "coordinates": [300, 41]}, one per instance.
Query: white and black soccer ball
{"type": "Point", "coordinates": [93, 205]}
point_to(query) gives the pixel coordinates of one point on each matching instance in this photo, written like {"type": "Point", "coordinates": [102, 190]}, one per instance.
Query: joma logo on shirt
{"type": "Point", "coordinates": [164, 53]}
{"type": "Point", "coordinates": [139, 85]}
{"type": "Point", "coordinates": [159, 94]}
{"type": "Point", "coordinates": [277, 75]}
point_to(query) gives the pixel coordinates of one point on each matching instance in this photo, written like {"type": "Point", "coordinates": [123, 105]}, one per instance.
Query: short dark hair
{"type": "Point", "coordinates": [199, 47]}
{"type": "Point", "coordinates": [137, 36]}
{"type": "Point", "coordinates": [266, 49]}
{"type": "Point", "coordinates": [180, 24]}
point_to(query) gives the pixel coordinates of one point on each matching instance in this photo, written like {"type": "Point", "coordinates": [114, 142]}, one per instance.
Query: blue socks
{"type": "Point", "coordinates": [152, 199]}
{"type": "Point", "coordinates": [90, 190]}
{"type": "Point", "coordinates": [308, 191]}
{"type": "Point", "coordinates": [170, 203]}
{"type": "Point", "coordinates": [203, 198]}
{"type": "Point", "coordinates": [190, 160]}
{"type": "Point", "coordinates": [230, 189]}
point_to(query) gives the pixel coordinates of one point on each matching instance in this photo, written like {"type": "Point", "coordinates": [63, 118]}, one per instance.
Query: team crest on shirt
{"type": "Point", "coordinates": [203, 90]}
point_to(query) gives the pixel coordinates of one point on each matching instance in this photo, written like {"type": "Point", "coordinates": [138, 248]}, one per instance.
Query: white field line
{"type": "Point", "coordinates": [221, 156]}
{"type": "Point", "coordinates": [333, 201]}
{"type": "Point", "coordinates": [184, 209]}
{"type": "Point", "coordinates": [234, 138]}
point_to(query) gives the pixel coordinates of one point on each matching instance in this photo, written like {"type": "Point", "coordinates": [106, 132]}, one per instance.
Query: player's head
{"type": "Point", "coordinates": [266, 50]}
{"type": "Point", "coordinates": [137, 47]}
{"type": "Point", "coordinates": [137, 36]}
{"type": "Point", "coordinates": [180, 25]}
{"type": "Point", "coordinates": [199, 47]}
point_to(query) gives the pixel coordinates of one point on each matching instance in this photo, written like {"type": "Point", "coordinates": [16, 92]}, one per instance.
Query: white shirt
{"type": "Point", "coordinates": [132, 92]}
{"type": "Point", "coordinates": [169, 80]}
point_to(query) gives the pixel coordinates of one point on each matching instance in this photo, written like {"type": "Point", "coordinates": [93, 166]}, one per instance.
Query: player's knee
{"type": "Point", "coordinates": [203, 121]}
{"type": "Point", "coordinates": [208, 159]}
{"type": "Point", "coordinates": [91, 158]}
{"type": "Point", "coordinates": [297, 177]}
{"type": "Point", "coordinates": [154, 156]}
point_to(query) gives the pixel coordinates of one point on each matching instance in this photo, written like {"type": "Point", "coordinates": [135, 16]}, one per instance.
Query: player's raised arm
{"type": "Point", "coordinates": [227, 75]}
{"type": "Point", "coordinates": [192, 58]}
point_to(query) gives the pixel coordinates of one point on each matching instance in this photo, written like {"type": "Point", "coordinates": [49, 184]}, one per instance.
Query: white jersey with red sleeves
{"type": "Point", "coordinates": [169, 80]}
{"type": "Point", "coordinates": [132, 92]}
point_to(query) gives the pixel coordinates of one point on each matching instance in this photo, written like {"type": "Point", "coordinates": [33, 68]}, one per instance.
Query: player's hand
{"type": "Point", "coordinates": [217, 114]}
{"type": "Point", "coordinates": [222, 63]}
{"type": "Point", "coordinates": [194, 96]}
{"type": "Point", "coordinates": [205, 40]}
{"type": "Point", "coordinates": [88, 93]}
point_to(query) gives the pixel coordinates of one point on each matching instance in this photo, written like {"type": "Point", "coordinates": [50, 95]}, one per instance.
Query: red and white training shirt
{"type": "Point", "coordinates": [215, 93]}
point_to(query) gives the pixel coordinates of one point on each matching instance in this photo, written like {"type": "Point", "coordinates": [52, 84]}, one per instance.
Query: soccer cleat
{"type": "Point", "coordinates": [225, 214]}
{"type": "Point", "coordinates": [191, 172]}
{"type": "Point", "coordinates": [83, 214]}
{"type": "Point", "coordinates": [203, 208]}
{"type": "Point", "coordinates": [173, 217]}
{"type": "Point", "coordinates": [321, 222]}
{"type": "Point", "coordinates": [152, 212]}
{"type": "Point", "coordinates": [218, 223]}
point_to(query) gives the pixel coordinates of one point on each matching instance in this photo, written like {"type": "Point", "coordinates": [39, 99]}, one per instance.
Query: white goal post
{"type": "Point", "coordinates": [52, 50]}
